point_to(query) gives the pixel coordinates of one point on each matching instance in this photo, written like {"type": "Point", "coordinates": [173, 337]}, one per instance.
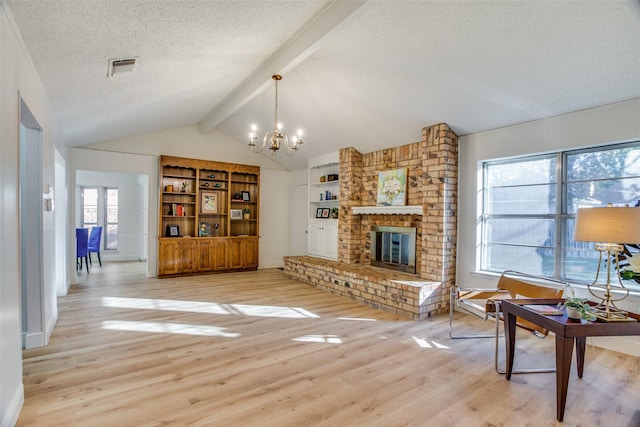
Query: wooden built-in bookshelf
{"type": "Point", "coordinates": [209, 216]}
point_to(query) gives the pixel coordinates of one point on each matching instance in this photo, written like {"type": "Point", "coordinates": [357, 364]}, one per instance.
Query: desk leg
{"type": "Point", "coordinates": [510, 341]}
{"type": "Point", "coordinates": [580, 349]}
{"type": "Point", "coordinates": [564, 350]}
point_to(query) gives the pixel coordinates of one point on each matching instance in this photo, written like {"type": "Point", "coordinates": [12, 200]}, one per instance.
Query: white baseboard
{"type": "Point", "coordinates": [32, 340]}
{"type": "Point", "coordinates": [273, 264]}
{"type": "Point", "coordinates": [50, 326]}
{"type": "Point", "coordinates": [10, 417]}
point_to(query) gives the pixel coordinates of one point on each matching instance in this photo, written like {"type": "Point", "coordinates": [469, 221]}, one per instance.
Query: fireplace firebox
{"type": "Point", "coordinates": [394, 248]}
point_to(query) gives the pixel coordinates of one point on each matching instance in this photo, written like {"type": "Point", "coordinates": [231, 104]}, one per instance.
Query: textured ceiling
{"type": "Point", "coordinates": [374, 81]}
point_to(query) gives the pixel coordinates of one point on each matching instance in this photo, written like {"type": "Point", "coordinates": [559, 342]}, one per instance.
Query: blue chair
{"type": "Point", "coordinates": [82, 240]}
{"type": "Point", "coordinates": [94, 243]}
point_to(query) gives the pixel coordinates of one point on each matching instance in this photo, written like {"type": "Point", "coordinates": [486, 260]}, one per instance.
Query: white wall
{"type": "Point", "coordinates": [130, 211]}
{"type": "Point", "coordinates": [608, 124]}
{"type": "Point", "coordinates": [19, 79]}
{"type": "Point", "coordinates": [186, 141]}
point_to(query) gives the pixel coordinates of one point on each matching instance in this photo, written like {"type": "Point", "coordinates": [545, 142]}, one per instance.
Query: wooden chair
{"type": "Point", "coordinates": [485, 303]}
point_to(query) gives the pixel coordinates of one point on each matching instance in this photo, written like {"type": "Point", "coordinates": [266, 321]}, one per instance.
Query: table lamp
{"type": "Point", "coordinates": [609, 227]}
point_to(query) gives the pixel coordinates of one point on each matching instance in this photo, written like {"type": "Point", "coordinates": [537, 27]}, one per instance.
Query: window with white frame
{"type": "Point", "coordinates": [100, 207]}
{"type": "Point", "coordinates": [529, 205]}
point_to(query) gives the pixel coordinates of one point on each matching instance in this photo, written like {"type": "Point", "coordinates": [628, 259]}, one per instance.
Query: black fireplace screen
{"type": "Point", "coordinates": [394, 248]}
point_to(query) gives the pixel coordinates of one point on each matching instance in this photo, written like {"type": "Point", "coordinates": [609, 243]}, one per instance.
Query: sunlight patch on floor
{"type": "Point", "coordinates": [425, 343]}
{"type": "Point", "coordinates": [330, 339]}
{"type": "Point", "coordinates": [167, 328]}
{"type": "Point", "coordinates": [207, 307]}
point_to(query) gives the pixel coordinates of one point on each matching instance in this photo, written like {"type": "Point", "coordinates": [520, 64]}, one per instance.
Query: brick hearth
{"type": "Point", "coordinates": [432, 167]}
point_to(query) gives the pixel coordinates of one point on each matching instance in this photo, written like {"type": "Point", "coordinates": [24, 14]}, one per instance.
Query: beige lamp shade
{"type": "Point", "coordinates": [608, 225]}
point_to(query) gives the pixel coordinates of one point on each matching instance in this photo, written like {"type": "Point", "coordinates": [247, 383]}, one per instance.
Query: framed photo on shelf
{"type": "Point", "coordinates": [245, 196]}
{"type": "Point", "coordinates": [205, 229]}
{"type": "Point", "coordinates": [209, 202]}
{"type": "Point", "coordinates": [172, 231]}
{"type": "Point", "coordinates": [325, 212]}
{"type": "Point", "coordinates": [319, 213]}
{"type": "Point", "coordinates": [235, 213]}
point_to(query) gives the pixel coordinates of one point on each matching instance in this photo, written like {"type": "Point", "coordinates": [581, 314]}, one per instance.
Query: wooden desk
{"type": "Point", "coordinates": [566, 330]}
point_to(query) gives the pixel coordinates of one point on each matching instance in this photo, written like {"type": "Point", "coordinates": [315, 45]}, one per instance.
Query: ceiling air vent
{"type": "Point", "coordinates": [122, 65]}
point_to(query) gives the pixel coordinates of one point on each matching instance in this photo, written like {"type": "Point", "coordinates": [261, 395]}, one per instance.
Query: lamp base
{"type": "Point", "coordinates": [610, 314]}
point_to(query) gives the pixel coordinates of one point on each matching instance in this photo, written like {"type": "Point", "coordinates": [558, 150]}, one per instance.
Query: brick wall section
{"type": "Point", "coordinates": [350, 243]}
{"type": "Point", "coordinates": [440, 183]}
{"type": "Point", "coordinates": [372, 286]}
{"type": "Point", "coordinates": [432, 170]}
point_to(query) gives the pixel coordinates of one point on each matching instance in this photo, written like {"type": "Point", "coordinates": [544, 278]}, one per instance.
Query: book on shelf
{"type": "Point", "coordinates": [547, 310]}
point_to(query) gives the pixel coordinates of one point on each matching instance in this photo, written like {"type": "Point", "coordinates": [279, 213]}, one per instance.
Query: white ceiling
{"type": "Point", "coordinates": [362, 74]}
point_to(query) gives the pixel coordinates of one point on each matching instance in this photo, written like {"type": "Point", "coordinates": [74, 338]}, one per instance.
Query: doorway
{"type": "Point", "coordinates": [31, 230]}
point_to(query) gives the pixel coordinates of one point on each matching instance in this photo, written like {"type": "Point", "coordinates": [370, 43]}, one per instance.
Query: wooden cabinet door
{"type": "Point", "coordinates": [219, 254]}
{"type": "Point", "coordinates": [250, 253]}
{"type": "Point", "coordinates": [189, 251]}
{"type": "Point", "coordinates": [234, 251]}
{"type": "Point", "coordinates": [169, 259]}
{"type": "Point", "coordinates": [205, 255]}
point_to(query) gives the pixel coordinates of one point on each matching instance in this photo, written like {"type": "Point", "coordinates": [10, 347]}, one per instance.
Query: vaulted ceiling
{"type": "Point", "coordinates": [367, 74]}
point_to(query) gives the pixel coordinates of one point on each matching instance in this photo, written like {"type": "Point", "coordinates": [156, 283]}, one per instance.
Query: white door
{"type": "Point", "coordinates": [299, 213]}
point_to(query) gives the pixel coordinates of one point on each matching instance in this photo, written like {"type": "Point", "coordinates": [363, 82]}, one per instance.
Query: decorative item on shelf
{"type": "Point", "coordinates": [185, 184]}
{"type": "Point", "coordinates": [392, 187]}
{"type": "Point", "coordinates": [172, 231]}
{"type": "Point", "coordinates": [246, 213]}
{"type": "Point", "coordinates": [208, 202]}
{"type": "Point", "coordinates": [334, 197]}
{"type": "Point", "coordinates": [235, 213]}
{"type": "Point", "coordinates": [323, 178]}
{"type": "Point", "coordinates": [170, 212]}
{"type": "Point", "coordinates": [327, 195]}
{"type": "Point", "coordinates": [205, 229]}
{"type": "Point", "coordinates": [321, 195]}
{"type": "Point", "coordinates": [216, 229]}
{"type": "Point", "coordinates": [334, 213]}
{"type": "Point", "coordinates": [245, 196]}
{"type": "Point", "coordinates": [168, 188]}
{"type": "Point", "coordinates": [237, 197]}
{"type": "Point", "coordinates": [332, 177]}
{"type": "Point", "coordinates": [325, 212]}
{"type": "Point", "coordinates": [608, 227]}
{"type": "Point", "coordinates": [319, 213]}
{"type": "Point", "coordinates": [276, 138]}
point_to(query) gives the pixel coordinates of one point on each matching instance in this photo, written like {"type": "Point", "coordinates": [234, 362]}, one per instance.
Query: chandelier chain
{"type": "Point", "coordinates": [275, 121]}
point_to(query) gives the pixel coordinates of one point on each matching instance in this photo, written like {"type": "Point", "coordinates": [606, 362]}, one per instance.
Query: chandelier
{"type": "Point", "coordinates": [275, 138]}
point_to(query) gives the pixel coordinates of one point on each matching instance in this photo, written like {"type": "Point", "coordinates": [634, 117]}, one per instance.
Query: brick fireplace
{"type": "Point", "coordinates": [432, 172]}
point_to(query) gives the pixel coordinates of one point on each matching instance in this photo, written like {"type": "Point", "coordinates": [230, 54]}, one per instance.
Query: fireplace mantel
{"type": "Point", "coordinates": [387, 210]}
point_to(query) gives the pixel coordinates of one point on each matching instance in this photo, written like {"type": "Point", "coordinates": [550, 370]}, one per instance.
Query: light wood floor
{"type": "Point", "coordinates": [258, 349]}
